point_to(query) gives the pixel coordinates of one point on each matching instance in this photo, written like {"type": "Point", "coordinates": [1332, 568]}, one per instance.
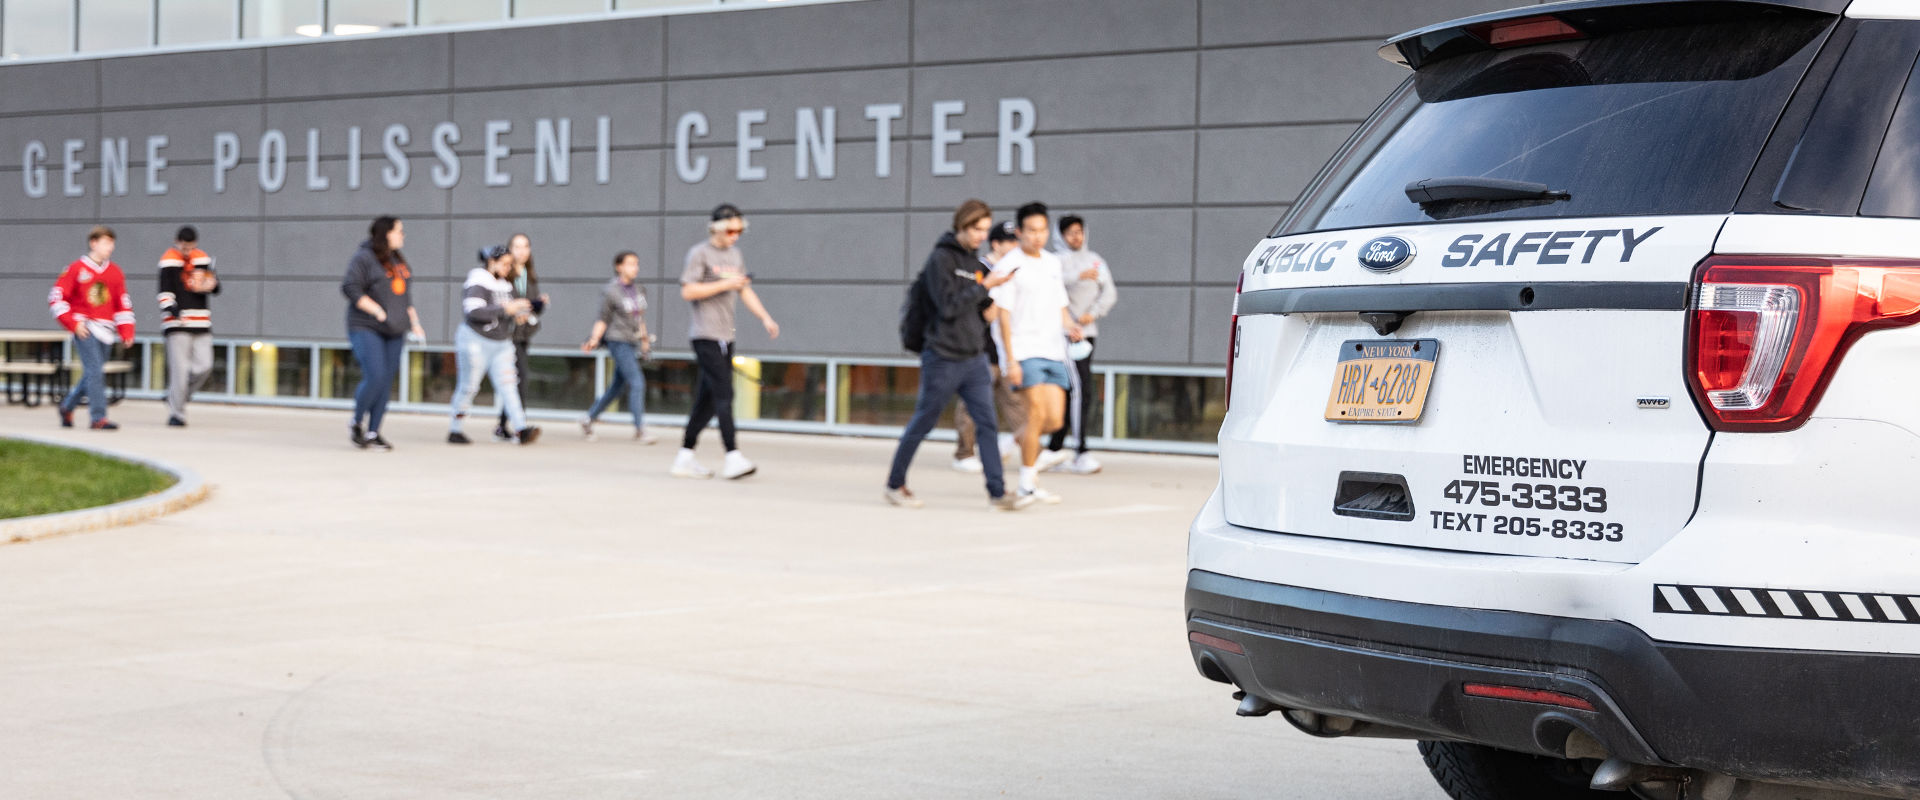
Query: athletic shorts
{"type": "Point", "coordinates": [1036, 371]}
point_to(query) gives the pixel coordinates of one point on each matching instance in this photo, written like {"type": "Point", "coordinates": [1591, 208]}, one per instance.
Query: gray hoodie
{"type": "Point", "coordinates": [1095, 296]}
{"type": "Point", "coordinates": [483, 300]}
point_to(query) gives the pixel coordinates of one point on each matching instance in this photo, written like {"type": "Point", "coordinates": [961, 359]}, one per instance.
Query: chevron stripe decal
{"type": "Point", "coordinates": [1728, 601]}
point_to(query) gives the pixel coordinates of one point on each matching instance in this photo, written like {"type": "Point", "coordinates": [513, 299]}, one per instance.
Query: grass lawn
{"type": "Point", "coordinates": [41, 479]}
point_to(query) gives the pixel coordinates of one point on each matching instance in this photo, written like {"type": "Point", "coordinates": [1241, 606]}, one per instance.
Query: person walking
{"type": "Point", "coordinates": [380, 317]}
{"type": "Point", "coordinates": [953, 357]}
{"type": "Point", "coordinates": [1002, 239]}
{"type": "Point", "coordinates": [90, 300]}
{"type": "Point", "coordinates": [483, 346]}
{"type": "Point", "coordinates": [1038, 328]}
{"type": "Point", "coordinates": [1090, 296]}
{"type": "Point", "coordinates": [526, 285]}
{"type": "Point", "coordinates": [714, 281]}
{"type": "Point", "coordinates": [187, 279]}
{"type": "Point", "coordinates": [622, 328]}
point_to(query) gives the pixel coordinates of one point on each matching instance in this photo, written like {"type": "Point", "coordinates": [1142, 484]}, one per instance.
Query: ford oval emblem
{"type": "Point", "coordinates": [1386, 254]}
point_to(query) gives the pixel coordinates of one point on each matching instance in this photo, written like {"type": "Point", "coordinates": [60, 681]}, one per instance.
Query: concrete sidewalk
{"type": "Point", "coordinates": [567, 621]}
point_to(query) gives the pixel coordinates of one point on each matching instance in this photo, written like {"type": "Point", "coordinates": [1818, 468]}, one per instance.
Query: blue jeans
{"type": "Point", "coordinates": [940, 380]}
{"type": "Point", "coordinates": [93, 377]}
{"type": "Point", "coordinates": [480, 358]}
{"type": "Point", "coordinates": [626, 377]}
{"type": "Point", "coordinates": [379, 358]}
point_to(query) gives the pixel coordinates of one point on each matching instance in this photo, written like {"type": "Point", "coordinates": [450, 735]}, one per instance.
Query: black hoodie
{"type": "Point", "coordinates": [955, 328]}
{"type": "Point", "coordinates": [388, 287]}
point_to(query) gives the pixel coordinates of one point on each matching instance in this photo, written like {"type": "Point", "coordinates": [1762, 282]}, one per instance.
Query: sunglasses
{"type": "Point", "coordinates": [734, 231]}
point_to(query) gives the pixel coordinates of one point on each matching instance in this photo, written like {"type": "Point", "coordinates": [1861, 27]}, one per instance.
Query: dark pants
{"type": "Point", "coordinates": [940, 380]}
{"type": "Point", "coordinates": [713, 392]}
{"type": "Point", "coordinates": [379, 358]}
{"type": "Point", "coordinates": [1079, 405]}
{"type": "Point", "coordinates": [519, 368]}
{"type": "Point", "coordinates": [93, 376]}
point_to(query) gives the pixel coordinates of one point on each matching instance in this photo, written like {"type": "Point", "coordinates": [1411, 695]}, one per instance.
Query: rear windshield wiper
{"type": "Point", "coordinates": [1433, 191]}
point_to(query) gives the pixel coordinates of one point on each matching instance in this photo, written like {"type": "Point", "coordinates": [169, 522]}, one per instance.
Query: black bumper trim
{"type": "Point", "coordinates": [1844, 720]}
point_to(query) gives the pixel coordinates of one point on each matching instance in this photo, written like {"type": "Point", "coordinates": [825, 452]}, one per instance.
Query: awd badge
{"type": "Point", "coordinates": [1386, 254]}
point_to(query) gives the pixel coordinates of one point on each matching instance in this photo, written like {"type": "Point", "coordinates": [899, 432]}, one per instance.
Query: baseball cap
{"type": "Point", "coordinates": [1003, 232]}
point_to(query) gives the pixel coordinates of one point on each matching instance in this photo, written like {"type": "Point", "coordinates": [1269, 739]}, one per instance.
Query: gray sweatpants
{"type": "Point", "coordinates": [189, 361]}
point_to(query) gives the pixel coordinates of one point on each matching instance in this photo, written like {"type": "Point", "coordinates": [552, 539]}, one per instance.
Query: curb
{"type": "Point", "coordinates": [188, 490]}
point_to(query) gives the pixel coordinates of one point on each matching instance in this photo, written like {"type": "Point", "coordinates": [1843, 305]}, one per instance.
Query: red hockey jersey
{"type": "Point", "coordinates": [92, 297]}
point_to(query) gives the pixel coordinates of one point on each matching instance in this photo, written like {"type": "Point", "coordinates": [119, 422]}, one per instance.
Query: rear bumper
{"type": "Point", "coordinates": [1843, 720]}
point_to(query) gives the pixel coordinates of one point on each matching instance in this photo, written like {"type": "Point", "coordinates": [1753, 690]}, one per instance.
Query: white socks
{"type": "Point", "coordinates": [1026, 478]}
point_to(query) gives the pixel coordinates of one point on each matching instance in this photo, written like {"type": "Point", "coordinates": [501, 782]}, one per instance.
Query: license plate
{"type": "Point", "coordinates": [1382, 380]}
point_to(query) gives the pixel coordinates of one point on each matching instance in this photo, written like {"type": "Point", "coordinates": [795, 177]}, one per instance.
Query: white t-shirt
{"type": "Point", "coordinates": [1034, 298]}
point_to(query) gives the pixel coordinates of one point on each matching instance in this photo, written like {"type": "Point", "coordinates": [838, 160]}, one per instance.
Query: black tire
{"type": "Point", "coordinates": [1475, 772]}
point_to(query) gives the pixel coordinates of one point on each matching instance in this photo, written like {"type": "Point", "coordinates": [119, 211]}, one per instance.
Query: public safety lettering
{"type": "Point", "coordinates": [1544, 247]}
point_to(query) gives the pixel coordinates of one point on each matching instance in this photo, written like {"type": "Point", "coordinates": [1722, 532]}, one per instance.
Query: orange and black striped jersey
{"type": "Point", "coordinates": [186, 281]}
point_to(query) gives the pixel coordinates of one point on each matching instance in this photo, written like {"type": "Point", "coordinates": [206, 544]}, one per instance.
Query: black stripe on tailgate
{"type": "Point", "coordinates": [1468, 297]}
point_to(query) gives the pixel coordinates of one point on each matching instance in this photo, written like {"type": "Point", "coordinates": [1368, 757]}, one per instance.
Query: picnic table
{"type": "Point", "coordinates": [33, 367]}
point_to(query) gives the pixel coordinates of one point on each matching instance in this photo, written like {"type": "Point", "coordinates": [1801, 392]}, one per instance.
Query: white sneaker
{"type": "Point", "coordinates": [643, 437]}
{"type": "Point", "coordinates": [903, 497]}
{"type": "Point", "coordinates": [1042, 496]}
{"type": "Point", "coordinates": [969, 464]}
{"type": "Point", "coordinates": [586, 428]}
{"type": "Point", "coordinates": [1084, 464]}
{"type": "Point", "coordinates": [736, 466]}
{"type": "Point", "coordinates": [1049, 459]}
{"type": "Point", "coordinates": [1011, 501]}
{"type": "Point", "coordinates": [686, 466]}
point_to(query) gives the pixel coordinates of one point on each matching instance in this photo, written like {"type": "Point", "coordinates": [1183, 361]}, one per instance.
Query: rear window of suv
{"type": "Point", "coordinates": [1655, 121]}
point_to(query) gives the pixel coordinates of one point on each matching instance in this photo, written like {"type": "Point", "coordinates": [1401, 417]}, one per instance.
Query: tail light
{"type": "Point", "coordinates": [1767, 334]}
{"type": "Point", "coordinates": [1233, 337]}
{"type": "Point", "coordinates": [1526, 31]}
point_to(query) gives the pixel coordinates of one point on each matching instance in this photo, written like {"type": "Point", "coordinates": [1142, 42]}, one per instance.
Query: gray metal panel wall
{"type": "Point", "coordinates": [1180, 128]}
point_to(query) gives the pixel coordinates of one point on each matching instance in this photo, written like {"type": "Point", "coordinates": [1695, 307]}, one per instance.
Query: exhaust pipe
{"type": "Point", "coordinates": [1617, 775]}
{"type": "Point", "coordinates": [1253, 705]}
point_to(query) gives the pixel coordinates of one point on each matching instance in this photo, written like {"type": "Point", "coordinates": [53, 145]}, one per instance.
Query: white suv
{"type": "Point", "coordinates": [1572, 411]}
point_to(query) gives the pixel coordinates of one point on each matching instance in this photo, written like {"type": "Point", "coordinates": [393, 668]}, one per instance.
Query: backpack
{"type": "Point", "coordinates": [914, 316]}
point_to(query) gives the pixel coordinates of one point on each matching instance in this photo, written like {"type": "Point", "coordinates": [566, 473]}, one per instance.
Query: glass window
{"type": "Point", "coordinates": [114, 24]}
{"type": "Point", "coordinates": [1892, 191]}
{"type": "Point", "coordinates": [217, 377]}
{"type": "Point", "coordinates": [447, 12]}
{"type": "Point", "coordinates": [37, 29]}
{"type": "Point", "coordinates": [1096, 422]}
{"type": "Point", "coordinates": [632, 5]}
{"type": "Point", "coordinates": [348, 17]}
{"type": "Point", "coordinates": [559, 382]}
{"type": "Point", "coordinates": [553, 8]}
{"type": "Point", "coordinates": [669, 385]}
{"type": "Point", "coordinates": [790, 392]}
{"type": "Point", "coordinates": [1835, 156]}
{"type": "Point", "coordinates": [340, 375]}
{"type": "Point", "coordinates": [1667, 120]}
{"type": "Point", "coordinates": [433, 377]}
{"type": "Point", "coordinates": [192, 21]}
{"type": "Point", "coordinates": [268, 370]}
{"type": "Point", "coordinates": [874, 395]}
{"type": "Point", "coordinates": [273, 19]}
{"type": "Point", "coordinates": [157, 379]}
{"type": "Point", "coordinates": [1169, 407]}
{"type": "Point", "coordinates": [136, 357]}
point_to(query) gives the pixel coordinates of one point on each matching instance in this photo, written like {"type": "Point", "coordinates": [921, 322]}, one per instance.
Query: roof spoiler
{"type": "Point", "coordinates": [1578, 19]}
